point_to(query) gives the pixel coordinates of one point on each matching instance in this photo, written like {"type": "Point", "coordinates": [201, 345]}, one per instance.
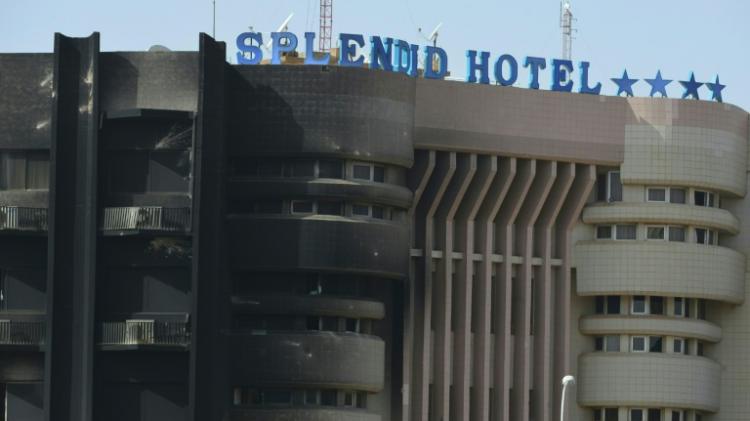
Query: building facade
{"type": "Point", "coordinates": [183, 239]}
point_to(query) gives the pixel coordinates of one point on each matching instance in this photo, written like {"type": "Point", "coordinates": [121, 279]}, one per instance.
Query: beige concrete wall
{"type": "Point", "coordinates": [648, 380]}
{"type": "Point", "coordinates": [650, 325]}
{"type": "Point", "coordinates": [661, 213]}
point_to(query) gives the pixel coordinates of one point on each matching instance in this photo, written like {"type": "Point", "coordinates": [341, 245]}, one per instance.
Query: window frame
{"type": "Point", "coordinates": [313, 208]}
{"type": "Point", "coordinates": [646, 302]}
{"type": "Point", "coordinates": [683, 345]}
{"type": "Point", "coordinates": [635, 231]}
{"type": "Point", "coordinates": [610, 199]}
{"type": "Point", "coordinates": [645, 343]}
{"type": "Point", "coordinates": [654, 188]}
{"type": "Point", "coordinates": [664, 232]}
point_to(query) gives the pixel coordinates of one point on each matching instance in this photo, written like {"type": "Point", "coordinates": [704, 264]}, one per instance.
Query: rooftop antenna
{"type": "Point", "coordinates": [566, 23]}
{"type": "Point", "coordinates": [433, 35]}
{"type": "Point", "coordinates": [214, 31]}
{"type": "Point", "coordinates": [326, 25]}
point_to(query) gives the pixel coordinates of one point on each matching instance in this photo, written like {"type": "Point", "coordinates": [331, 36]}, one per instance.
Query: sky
{"type": "Point", "coordinates": [708, 37]}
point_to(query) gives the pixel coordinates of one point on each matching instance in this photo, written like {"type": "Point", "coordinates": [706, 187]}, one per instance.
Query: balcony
{"type": "Point", "coordinates": [143, 333]}
{"type": "Point", "coordinates": [14, 218]}
{"type": "Point", "coordinates": [22, 331]}
{"type": "Point", "coordinates": [121, 220]}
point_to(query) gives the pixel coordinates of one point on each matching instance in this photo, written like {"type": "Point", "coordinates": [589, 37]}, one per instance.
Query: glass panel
{"type": "Point", "coordinates": [361, 172]}
{"type": "Point", "coordinates": [677, 234]}
{"type": "Point", "coordinates": [269, 208]}
{"type": "Point", "coordinates": [711, 199]}
{"type": "Point", "coordinates": [700, 198]}
{"type": "Point", "coordinates": [328, 397]}
{"type": "Point", "coordinates": [677, 346]}
{"type": "Point", "coordinates": [303, 168]}
{"type": "Point", "coordinates": [330, 169]}
{"type": "Point", "coordinates": [625, 232]}
{"type": "Point", "coordinates": [37, 170]}
{"type": "Point", "coordinates": [352, 325]}
{"type": "Point", "coordinates": [702, 309]}
{"type": "Point", "coordinates": [711, 237]}
{"type": "Point", "coordinates": [678, 307]}
{"type": "Point", "coordinates": [599, 304]}
{"type": "Point", "coordinates": [700, 236]}
{"type": "Point", "coordinates": [639, 304]}
{"type": "Point", "coordinates": [613, 304]}
{"type": "Point", "coordinates": [599, 343]}
{"type": "Point", "coordinates": [302, 206]}
{"type": "Point", "coordinates": [613, 343]}
{"type": "Point", "coordinates": [699, 351]}
{"type": "Point", "coordinates": [330, 208]}
{"type": "Point", "coordinates": [361, 210]}
{"type": "Point", "coordinates": [601, 187]}
{"type": "Point", "coordinates": [655, 344]}
{"type": "Point", "coordinates": [312, 397]}
{"type": "Point", "coordinates": [270, 168]}
{"type": "Point", "coordinates": [677, 195]}
{"type": "Point", "coordinates": [604, 232]}
{"type": "Point", "coordinates": [657, 194]}
{"type": "Point", "coordinates": [676, 415]}
{"type": "Point", "coordinates": [348, 398]}
{"type": "Point", "coordinates": [330, 323]}
{"type": "Point", "coordinates": [361, 400]}
{"type": "Point", "coordinates": [610, 414]}
{"type": "Point", "coordinates": [655, 233]}
{"type": "Point", "coordinates": [129, 172]}
{"type": "Point", "coordinates": [639, 343]}
{"type": "Point", "coordinates": [636, 415]}
{"type": "Point", "coordinates": [378, 174]}
{"type": "Point", "coordinates": [169, 171]}
{"type": "Point", "coordinates": [277, 397]}
{"type": "Point", "coordinates": [657, 305]}
{"type": "Point", "coordinates": [654, 415]}
{"type": "Point", "coordinates": [598, 414]}
{"type": "Point", "coordinates": [615, 187]}
{"type": "Point", "coordinates": [378, 212]}
{"type": "Point", "coordinates": [12, 171]}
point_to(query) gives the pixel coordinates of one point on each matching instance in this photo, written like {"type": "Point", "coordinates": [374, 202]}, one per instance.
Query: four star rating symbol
{"type": "Point", "coordinates": [659, 85]}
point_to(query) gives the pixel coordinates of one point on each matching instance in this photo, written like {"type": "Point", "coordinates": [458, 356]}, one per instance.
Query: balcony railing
{"type": "Point", "coordinates": [144, 332]}
{"type": "Point", "coordinates": [22, 333]}
{"type": "Point", "coordinates": [146, 218]}
{"type": "Point", "coordinates": [23, 219]}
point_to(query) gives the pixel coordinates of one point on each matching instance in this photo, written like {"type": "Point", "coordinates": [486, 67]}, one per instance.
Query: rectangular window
{"type": "Point", "coordinates": [610, 414]}
{"type": "Point", "coordinates": [613, 304]}
{"type": "Point", "coordinates": [169, 171]}
{"type": "Point", "coordinates": [656, 194]}
{"type": "Point", "coordinates": [270, 168]}
{"type": "Point", "coordinates": [699, 349]}
{"type": "Point", "coordinates": [711, 197]}
{"type": "Point", "coordinates": [599, 343]}
{"type": "Point", "coordinates": [678, 415]}
{"type": "Point", "coordinates": [601, 187]}
{"type": "Point", "coordinates": [678, 346]}
{"type": "Point", "coordinates": [378, 174]}
{"type": "Point", "coordinates": [268, 208]}
{"type": "Point", "coordinates": [636, 415]}
{"type": "Point", "coordinates": [676, 234]}
{"type": "Point", "coordinates": [361, 400]}
{"type": "Point", "coordinates": [330, 324]}
{"type": "Point", "coordinates": [361, 172]}
{"type": "Point", "coordinates": [302, 206]}
{"type": "Point", "coordinates": [625, 232]}
{"type": "Point", "coordinates": [612, 343]}
{"type": "Point", "coordinates": [352, 325]}
{"type": "Point", "coordinates": [655, 344]}
{"type": "Point", "coordinates": [302, 168]}
{"type": "Point", "coordinates": [599, 304]}
{"type": "Point", "coordinates": [12, 171]}
{"type": "Point", "coordinates": [37, 170]}
{"type": "Point", "coordinates": [700, 236]}
{"type": "Point", "coordinates": [330, 169]}
{"type": "Point", "coordinates": [614, 190]}
{"type": "Point", "coordinates": [639, 305]}
{"type": "Point", "coordinates": [688, 306]}
{"type": "Point", "coordinates": [349, 399]}
{"type": "Point", "coordinates": [312, 397]}
{"type": "Point", "coordinates": [655, 233]}
{"type": "Point", "coordinates": [378, 212]}
{"type": "Point", "coordinates": [654, 415]}
{"type": "Point", "coordinates": [679, 307]}
{"type": "Point", "coordinates": [677, 195]}
{"type": "Point", "coordinates": [604, 232]}
{"type": "Point", "coordinates": [360, 210]}
{"type": "Point", "coordinates": [700, 198]}
{"type": "Point", "coordinates": [638, 344]}
{"type": "Point", "coordinates": [276, 397]}
{"type": "Point", "coordinates": [701, 309]}
{"type": "Point", "coordinates": [657, 305]}
{"type": "Point", "coordinates": [330, 208]}
{"type": "Point", "coordinates": [328, 397]}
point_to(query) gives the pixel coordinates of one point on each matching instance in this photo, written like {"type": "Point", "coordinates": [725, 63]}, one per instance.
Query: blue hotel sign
{"type": "Point", "coordinates": [401, 57]}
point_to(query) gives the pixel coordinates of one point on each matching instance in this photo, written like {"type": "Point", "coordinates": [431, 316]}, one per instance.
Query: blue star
{"type": "Point", "coordinates": [716, 89]}
{"type": "Point", "coordinates": [659, 85]}
{"type": "Point", "coordinates": [691, 87]}
{"type": "Point", "coordinates": [624, 84]}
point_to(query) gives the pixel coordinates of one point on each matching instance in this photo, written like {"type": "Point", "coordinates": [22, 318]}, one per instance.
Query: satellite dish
{"type": "Point", "coordinates": [157, 48]}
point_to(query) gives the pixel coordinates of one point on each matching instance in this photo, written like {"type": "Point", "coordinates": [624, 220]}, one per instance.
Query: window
{"type": "Point", "coordinates": [676, 233]}
{"type": "Point", "coordinates": [654, 415]}
{"type": "Point", "coordinates": [599, 304]}
{"type": "Point", "coordinates": [361, 172]}
{"type": "Point", "coordinates": [677, 195]}
{"type": "Point", "coordinates": [349, 399]}
{"type": "Point", "coordinates": [609, 343]}
{"type": "Point", "coordinates": [688, 306]}
{"type": "Point", "coordinates": [604, 232]}
{"type": "Point", "coordinates": [657, 305]}
{"type": "Point", "coordinates": [704, 198]}
{"type": "Point", "coordinates": [678, 346]}
{"type": "Point", "coordinates": [328, 397]}
{"type": "Point", "coordinates": [679, 307]}
{"type": "Point", "coordinates": [639, 305]}
{"type": "Point", "coordinates": [165, 171]}
{"type": "Point", "coordinates": [362, 400]}
{"type": "Point", "coordinates": [701, 309]}
{"type": "Point", "coordinates": [330, 208]}
{"type": "Point", "coordinates": [655, 233]}
{"type": "Point", "coordinates": [378, 174]}
{"type": "Point", "coordinates": [301, 169]}
{"type": "Point", "coordinates": [613, 304]}
{"type": "Point", "coordinates": [269, 397]}
{"type": "Point", "coordinates": [330, 169]}
{"type": "Point", "coordinates": [605, 414]}
{"type": "Point", "coordinates": [352, 325]}
{"type": "Point", "coordinates": [24, 170]}
{"type": "Point", "coordinates": [625, 232]}
{"type": "Point", "coordinates": [655, 344]}
{"type": "Point", "coordinates": [705, 236]}
{"type": "Point", "coordinates": [614, 187]}
{"type": "Point", "coordinates": [636, 415]}
{"type": "Point", "coordinates": [656, 194]}
{"type": "Point", "coordinates": [638, 344]}
{"type": "Point", "coordinates": [678, 415]}
{"type": "Point", "coordinates": [360, 210]}
{"type": "Point", "coordinates": [302, 206]}
{"type": "Point", "coordinates": [378, 212]}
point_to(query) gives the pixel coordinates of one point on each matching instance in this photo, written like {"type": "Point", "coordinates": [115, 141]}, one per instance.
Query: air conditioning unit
{"type": "Point", "coordinates": [139, 332]}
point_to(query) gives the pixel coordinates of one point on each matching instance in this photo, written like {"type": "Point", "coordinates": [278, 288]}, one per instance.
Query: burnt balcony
{"type": "Point", "coordinates": [154, 332]}
{"type": "Point", "coordinates": [22, 331]}
{"type": "Point", "coordinates": [15, 218]}
{"type": "Point", "coordinates": [136, 219]}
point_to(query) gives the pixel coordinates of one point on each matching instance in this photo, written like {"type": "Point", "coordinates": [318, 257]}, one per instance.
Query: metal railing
{"type": "Point", "coordinates": [144, 332]}
{"type": "Point", "coordinates": [147, 218]}
{"type": "Point", "coordinates": [23, 219]}
{"type": "Point", "coordinates": [22, 332]}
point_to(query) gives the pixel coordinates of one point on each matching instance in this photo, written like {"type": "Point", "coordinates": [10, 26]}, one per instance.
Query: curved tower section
{"type": "Point", "coordinates": [658, 270]}
{"type": "Point", "coordinates": [317, 224]}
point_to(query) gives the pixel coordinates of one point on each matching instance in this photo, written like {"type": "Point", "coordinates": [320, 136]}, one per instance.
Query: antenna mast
{"type": "Point", "coordinates": [326, 25]}
{"type": "Point", "coordinates": [566, 23]}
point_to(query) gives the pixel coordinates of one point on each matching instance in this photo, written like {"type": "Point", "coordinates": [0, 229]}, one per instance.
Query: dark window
{"type": "Point", "coordinates": [657, 305]}
{"type": "Point", "coordinates": [654, 415]}
{"type": "Point", "coordinates": [169, 171]}
{"type": "Point", "coordinates": [601, 187]}
{"type": "Point", "coordinates": [361, 210]}
{"type": "Point", "coordinates": [313, 323]}
{"type": "Point", "coordinates": [677, 234]}
{"type": "Point", "coordinates": [352, 325]}
{"type": "Point", "coordinates": [349, 398]}
{"type": "Point", "coordinates": [610, 414]}
{"type": "Point", "coordinates": [657, 194]}
{"type": "Point", "coordinates": [636, 415]}
{"type": "Point", "coordinates": [277, 397]}
{"type": "Point", "coordinates": [604, 232]}
{"type": "Point", "coordinates": [12, 171]}
{"type": "Point", "coordinates": [37, 170]}
{"type": "Point", "coordinates": [613, 304]}
{"type": "Point", "coordinates": [378, 212]}
{"type": "Point", "coordinates": [269, 208]}
{"type": "Point", "coordinates": [129, 172]}
{"type": "Point", "coordinates": [677, 415]}
{"type": "Point", "coordinates": [702, 309]}
{"type": "Point", "coordinates": [655, 344]}
{"type": "Point", "coordinates": [612, 343]}
{"type": "Point", "coordinates": [270, 168]}
{"type": "Point", "coordinates": [302, 168]}
{"type": "Point", "coordinates": [328, 397]}
{"type": "Point", "coordinates": [312, 397]}
{"type": "Point", "coordinates": [699, 350]}
{"type": "Point", "coordinates": [599, 304]}
{"type": "Point", "coordinates": [598, 414]}
{"type": "Point", "coordinates": [330, 323]}
{"type": "Point", "coordinates": [655, 233]}
{"type": "Point", "coordinates": [625, 232]}
{"type": "Point", "coordinates": [361, 172]}
{"type": "Point", "coordinates": [615, 187]}
{"type": "Point", "coordinates": [378, 174]}
{"type": "Point", "coordinates": [599, 343]}
{"type": "Point", "coordinates": [700, 236]}
{"type": "Point", "coordinates": [302, 206]}
{"type": "Point", "coordinates": [330, 169]}
{"type": "Point", "coordinates": [677, 195]}
{"type": "Point", "coordinates": [700, 198]}
{"type": "Point", "coordinates": [678, 307]}
{"type": "Point", "coordinates": [361, 400]}
{"type": "Point", "coordinates": [688, 305]}
{"type": "Point", "coordinates": [330, 208]}
{"type": "Point", "coordinates": [639, 304]}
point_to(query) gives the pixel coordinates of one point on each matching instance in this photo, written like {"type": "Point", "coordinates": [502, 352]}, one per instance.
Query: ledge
{"type": "Point", "coordinates": [309, 306]}
{"type": "Point", "coordinates": [661, 213]}
{"type": "Point", "coordinates": [648, 380]}
{"type": "Point", "coordinates": [650, 325]}
{"type": "Point", "coordinates": [149, 113]}
{"type": "Point", "coordinates": [301, 414]}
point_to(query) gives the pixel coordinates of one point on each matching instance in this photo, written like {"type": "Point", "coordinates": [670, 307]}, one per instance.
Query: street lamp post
{"type": "Point", "coordinates": [567, 380]}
